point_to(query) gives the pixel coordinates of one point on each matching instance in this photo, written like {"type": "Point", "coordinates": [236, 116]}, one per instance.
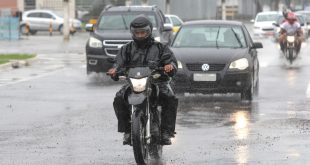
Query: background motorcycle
{"type": "Point", "coordinates": [290, 50]}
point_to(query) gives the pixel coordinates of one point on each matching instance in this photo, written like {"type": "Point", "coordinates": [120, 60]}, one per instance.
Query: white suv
{"type": "Point", "coordinates": [40, 20]}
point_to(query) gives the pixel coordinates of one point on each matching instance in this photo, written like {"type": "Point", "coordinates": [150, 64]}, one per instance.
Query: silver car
{"type": "Point", "coordinates": [42, 20]}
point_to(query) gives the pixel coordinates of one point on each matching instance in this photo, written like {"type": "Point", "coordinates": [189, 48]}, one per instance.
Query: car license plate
{"type": "Point", "coordinates": [204, 77]}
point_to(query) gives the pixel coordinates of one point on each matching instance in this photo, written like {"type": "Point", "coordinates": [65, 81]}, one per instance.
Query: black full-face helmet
{"type": "Point", "coordinates": [141, 30]}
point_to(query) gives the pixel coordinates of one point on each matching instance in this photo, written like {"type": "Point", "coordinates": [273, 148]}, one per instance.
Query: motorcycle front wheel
{"type": "Point", "coordinates": [140, 147]}
{"type": "Point", "coordinates": [291, 55]}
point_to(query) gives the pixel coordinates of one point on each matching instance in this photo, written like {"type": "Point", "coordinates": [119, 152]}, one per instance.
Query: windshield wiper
{"type": "Point", "coordinates": [217, 37]}
{"type": "Point", "coordinates": [238, 39]}
{"type": "Point", "coordinates": [124, 23]}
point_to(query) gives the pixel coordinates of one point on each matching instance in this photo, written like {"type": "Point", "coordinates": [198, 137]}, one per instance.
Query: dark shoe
{"type": "Point", "coordinates": [165, 138]}
{"type": "Point", "coordinates": [127, 139]}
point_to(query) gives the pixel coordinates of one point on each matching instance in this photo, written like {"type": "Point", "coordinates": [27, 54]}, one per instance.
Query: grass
{"type": "Point", "coordinates": [5, 58]}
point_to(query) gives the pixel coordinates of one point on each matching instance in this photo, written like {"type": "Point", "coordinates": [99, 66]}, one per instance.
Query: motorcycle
{"type": "Point", "coordinates": [145, 114]}
{"type": "Point", "coordinates": [290, 50]}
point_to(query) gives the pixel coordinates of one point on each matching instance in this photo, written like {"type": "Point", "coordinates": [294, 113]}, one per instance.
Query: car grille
{"type": "Point", "coordinates": [112, 47]}
{"type": "Point", "coordinates": [213, 67]}
{"type": "Point", "coordinates": [268, 29]}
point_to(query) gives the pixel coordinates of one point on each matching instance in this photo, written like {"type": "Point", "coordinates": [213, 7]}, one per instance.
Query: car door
{"type": "Point", "coordinates": [33, 19]}
{"type": "Point", "coordinates": [46, 20]}
{"type": "Point", "coordinates": [253, 54]}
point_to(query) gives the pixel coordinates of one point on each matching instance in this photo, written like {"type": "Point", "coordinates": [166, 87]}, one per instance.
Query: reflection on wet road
{"type": "Point", "coordinates": [66, 118]}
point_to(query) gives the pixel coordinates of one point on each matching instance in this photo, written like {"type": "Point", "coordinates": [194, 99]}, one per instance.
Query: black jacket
{"type": "Point", "coordinates": [131, 56]}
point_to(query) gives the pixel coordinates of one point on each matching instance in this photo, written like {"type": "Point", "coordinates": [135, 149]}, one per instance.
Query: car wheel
{"type": "Point", "coordinates": [60, 29]}
{"type": "Point", "coordinates": [256, 88]}
{"type": "Point", "coordinates": [247, 94]}
{"type": "Point", "coordinates": [23, 29]}
{"type": "Point", "coordinates": [88, 72]}
{"type": "Point", "coordinates": [33, 32]}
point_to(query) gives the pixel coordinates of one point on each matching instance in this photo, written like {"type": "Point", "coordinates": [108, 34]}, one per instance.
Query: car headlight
{"type": "Point", "coordinates": [180, 66]}
{"type": "Point", "coordinates": [95, 43]}
{"type": "Point", "coordinates": [157, 39]}
{"type": "Point", "coordinates": [138, 85]}
{"type": "Point", "coordinates": [240, 64]}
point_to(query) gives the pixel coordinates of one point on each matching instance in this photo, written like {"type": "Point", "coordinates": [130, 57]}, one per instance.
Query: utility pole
{"type": "Point", "coordinates": [66, 25]}
{"type": "Point", "coordinates": [167, 6]}
{"type": "Point", "coordinates": [223, 10]}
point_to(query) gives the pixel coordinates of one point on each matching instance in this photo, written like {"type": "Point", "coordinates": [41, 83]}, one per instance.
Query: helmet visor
{"type": "Point", "coordinates": [141, 33]}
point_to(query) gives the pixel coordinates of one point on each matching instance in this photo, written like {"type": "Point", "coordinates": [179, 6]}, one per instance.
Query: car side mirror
{"type": "Point", "coordinates": [168, 27]}
{"type": "Point", "coordinates": [89, 27]}
{"type": "Point", "coordinates": [257, 45]}
{"type": "Point", "coordinates": [275, 24]}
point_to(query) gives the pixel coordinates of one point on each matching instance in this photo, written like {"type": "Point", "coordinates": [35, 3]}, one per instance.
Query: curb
{"type": "Point", "coordinates": [15, 64]}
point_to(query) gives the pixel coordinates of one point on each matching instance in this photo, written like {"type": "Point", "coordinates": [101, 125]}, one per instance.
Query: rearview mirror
{"type": "Point", "coordinates": [89, 27]}
{"type": "Point", "coordinates": [168, 27]}
{"type": "Point", "coordinates": [257, 45]}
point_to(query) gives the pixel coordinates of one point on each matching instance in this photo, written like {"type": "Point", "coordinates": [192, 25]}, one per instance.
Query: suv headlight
{"type": "Point", "coordinates": [240, 64]}
{"type": "Point", "coordinates": [138, 85]}
{"type": "Point", "coordinates": [180, 66]}
{"type": "Point", "coordinates": [157, 39]}
{"type": "Point", "coordinates": [95, 43]}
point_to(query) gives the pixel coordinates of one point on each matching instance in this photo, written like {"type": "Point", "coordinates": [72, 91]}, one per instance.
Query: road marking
{"type": "Point", "coordinates": [308, 91]}
{"type": "Point", "coordinates": [29, 78]}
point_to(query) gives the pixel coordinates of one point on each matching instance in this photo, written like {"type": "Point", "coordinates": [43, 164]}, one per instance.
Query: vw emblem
{"type": "Point", "coordinates": [205, 67]}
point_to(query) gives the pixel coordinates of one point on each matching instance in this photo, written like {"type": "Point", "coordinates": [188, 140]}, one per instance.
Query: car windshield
{"type": "Point", "coordinates": [210, 36]}
{"type": "Point", "coordinates": [120, 21]}
{"type": "Point", "coordinates": [267, 17]}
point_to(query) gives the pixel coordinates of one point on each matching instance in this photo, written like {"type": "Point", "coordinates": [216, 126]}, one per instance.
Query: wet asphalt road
{"type": "Point", "coordinates": [52, 113]}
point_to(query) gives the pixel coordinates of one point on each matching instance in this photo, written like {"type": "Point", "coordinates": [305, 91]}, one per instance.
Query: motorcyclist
{"type": "Point", "coordinates": [136, 53]}
{"type": "Point", "coordinates": [291, 27]}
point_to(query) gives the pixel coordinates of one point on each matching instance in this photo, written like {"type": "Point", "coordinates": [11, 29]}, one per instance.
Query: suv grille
{"type": "Point", "coordinates": [112, 47]}
{"type": "Point", "coordinates": [213, 67]}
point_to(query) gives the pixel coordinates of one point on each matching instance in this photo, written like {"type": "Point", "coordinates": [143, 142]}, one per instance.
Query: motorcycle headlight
{"type": "Point", "coordinates": [95, 43]}
{"type": "Point", "coordinates": [290, 39]}
{"type": "Point", "coordinates": [240, 64]}
{"type": "Point", "coordinates": [157, 39]}
{"type": "Point", "coordinates": [138, 85]}
{"type": "Point", "coordinates": [180, 66]}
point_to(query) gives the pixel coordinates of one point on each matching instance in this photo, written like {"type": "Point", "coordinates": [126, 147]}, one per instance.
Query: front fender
{"type": "Point", "coordinates": [136, 99]}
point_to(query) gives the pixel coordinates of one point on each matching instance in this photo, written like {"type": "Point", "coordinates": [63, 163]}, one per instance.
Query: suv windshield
{"type": "Point", "coordinates": [210, 36]}
{"type": "Point", "coordinates": [120, 21]}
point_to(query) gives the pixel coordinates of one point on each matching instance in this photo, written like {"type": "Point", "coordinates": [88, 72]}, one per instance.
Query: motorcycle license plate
{"type": "Point", "coordinates": [204, 77]}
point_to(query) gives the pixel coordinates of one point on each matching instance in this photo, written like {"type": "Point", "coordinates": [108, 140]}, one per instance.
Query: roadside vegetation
{"type": "Point", "coordinates": [5, 58]}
